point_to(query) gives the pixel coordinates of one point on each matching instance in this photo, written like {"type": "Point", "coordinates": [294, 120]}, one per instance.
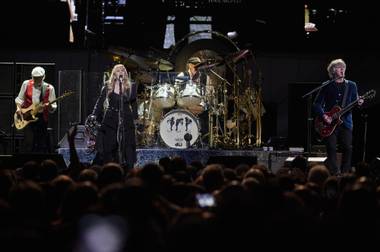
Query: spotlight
{"type": "Point", "coordinates": [232, 34]}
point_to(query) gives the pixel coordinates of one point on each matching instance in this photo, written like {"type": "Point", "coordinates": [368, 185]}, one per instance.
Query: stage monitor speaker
{"type": "Point", "coordinates": [232, 161]}
{"type": "Point", "coordinates": [81, 139]}
{"type": "Point", "coordinates": [18, 160]}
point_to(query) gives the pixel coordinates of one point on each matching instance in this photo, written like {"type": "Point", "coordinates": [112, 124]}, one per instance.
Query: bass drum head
{"type": "Point", "coordinates": [179, 129]}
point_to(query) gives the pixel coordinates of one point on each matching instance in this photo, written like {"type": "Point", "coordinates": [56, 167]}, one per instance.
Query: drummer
{"type": "Point", "coordinates": [196, 77]}
{"type": "Point", "coordinates": [199, 78]}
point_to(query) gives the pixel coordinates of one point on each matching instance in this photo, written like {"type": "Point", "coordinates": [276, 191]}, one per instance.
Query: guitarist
{"type": "Point", "coordinates": [339, 92]}
{"type": "Point", "coordinates": [33, 92]}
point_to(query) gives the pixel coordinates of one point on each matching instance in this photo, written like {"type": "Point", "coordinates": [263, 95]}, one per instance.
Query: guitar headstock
{"type": "Point", "coordinates": [369, 94]}
{"type": "Point", "coordinates": [67, 93]}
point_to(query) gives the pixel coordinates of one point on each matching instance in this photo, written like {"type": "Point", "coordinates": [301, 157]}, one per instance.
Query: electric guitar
{"type": "Point", "coordinates": [29, 113]}
{"type": "Point", "coordinates": [324, 129]}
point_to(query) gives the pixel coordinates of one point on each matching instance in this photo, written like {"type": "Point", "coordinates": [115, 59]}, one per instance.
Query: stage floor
{"type": "Point", "coordinates": [272, 159]}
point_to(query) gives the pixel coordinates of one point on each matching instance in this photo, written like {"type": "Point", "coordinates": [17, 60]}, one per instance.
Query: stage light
{"type": "Point", "coordinates": [309, 159]}
{"type": "Point", "coordinates": [232, 34]}
{"type": "Point", "coordinates": [289, 161]}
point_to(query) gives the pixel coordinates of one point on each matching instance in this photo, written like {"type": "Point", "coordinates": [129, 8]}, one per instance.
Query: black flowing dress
{"type": "Point", "coordinates": [116, 119]}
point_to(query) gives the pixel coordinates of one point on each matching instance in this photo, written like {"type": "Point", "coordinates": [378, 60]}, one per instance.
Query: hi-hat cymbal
{"type": "Point", "coordinates": [160, 64]}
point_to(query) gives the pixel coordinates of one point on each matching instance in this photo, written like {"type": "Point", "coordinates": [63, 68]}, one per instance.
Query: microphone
{"type": "Point", "coordinates": [332, 80]}
{"type": "Point", "coordinates": [121, 78]}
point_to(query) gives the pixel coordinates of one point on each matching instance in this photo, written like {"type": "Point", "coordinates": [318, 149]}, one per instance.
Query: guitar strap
{"type": "Point", "coordinates": [42, 95]}
{"type": "Point", "coordinates": [344, 101]}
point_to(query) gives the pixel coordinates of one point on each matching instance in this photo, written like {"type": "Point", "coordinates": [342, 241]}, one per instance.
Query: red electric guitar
{"type": "Point", "coordinates": [324, 129]}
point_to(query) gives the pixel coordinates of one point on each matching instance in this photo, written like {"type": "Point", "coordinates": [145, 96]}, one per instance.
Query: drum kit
{"type": "Point", "coordinates": [169, 115]}
{"type": "Point", "coordinates": [170, 107]}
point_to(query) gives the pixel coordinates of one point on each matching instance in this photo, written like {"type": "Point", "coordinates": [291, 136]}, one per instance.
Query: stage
{"type": "Point", "coordinates": [272, 159]}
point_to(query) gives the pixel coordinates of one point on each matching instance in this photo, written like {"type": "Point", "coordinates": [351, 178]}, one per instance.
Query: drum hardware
{"type": "Point", "coordinates": [225, 110]}
{"type": "Point", "coordinates": [235, 57]}
{"type": "Point", "coordinates": [236, 111]}
{"type": "Point", "coordinates": [259, 112]}
{"type": "Point", "coordinates": [149, 117]}
{"type": "Point", "coordinates": [251, 106]}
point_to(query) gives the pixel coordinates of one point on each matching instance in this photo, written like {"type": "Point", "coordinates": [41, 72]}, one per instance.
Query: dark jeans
{"type": "Point", "coordinates": [343, 136]}
{"type": "Point", "coordinates": [36, 137]}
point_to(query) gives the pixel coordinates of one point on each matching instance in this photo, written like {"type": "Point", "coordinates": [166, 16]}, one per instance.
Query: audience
{"type": "Point", "coordinates": [157, 208]}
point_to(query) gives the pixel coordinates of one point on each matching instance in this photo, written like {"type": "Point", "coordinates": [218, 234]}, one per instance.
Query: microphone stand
{"type": "Point", "coordinates": [120, 128]}
{"type": "Point", "coordinates": [309, 114]}
{"type": "Point", "coordinates": [365, 116]}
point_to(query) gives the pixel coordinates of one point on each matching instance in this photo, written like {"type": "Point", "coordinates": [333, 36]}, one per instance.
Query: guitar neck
{"type": "Point", "coordinates": [348, 107]}
{"type": "Point", "coordinates": [368, 95]}
{"type": "Point", "coordinates": [58, 98]}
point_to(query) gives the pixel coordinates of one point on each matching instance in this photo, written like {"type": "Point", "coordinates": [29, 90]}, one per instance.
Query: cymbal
{"type": "Point", "coordinates": [121, 51]}
{"type": "Point", "coordinates": [160, 64]}
{"type": "Point", "coordinates": [129, 58]}
{"type": "Point", "coordinates": [130, 64]}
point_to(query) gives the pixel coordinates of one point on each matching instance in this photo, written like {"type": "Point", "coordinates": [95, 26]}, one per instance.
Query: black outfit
{"type": "Point", "coordinates": [340, 94]}
{"type": "Point", "coordinates": [36, 136]}
{"type": "Point", "coordinates": [109, 147]}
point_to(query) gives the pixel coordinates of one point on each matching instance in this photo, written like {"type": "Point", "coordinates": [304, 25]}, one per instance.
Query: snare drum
{"type": "Point", "coordinates": [179, 129]}
{"type": "Point", "coordinates": [164, 96]}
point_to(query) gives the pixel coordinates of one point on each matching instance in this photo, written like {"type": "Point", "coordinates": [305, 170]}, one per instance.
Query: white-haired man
{"type": "Point", "coordinates": [339, 92]}
{"type": "Point", "coordinates": [36, 93]}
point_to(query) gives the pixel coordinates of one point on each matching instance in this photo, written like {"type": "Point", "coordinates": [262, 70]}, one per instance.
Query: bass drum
{"type": "Point", "coordinates": [179, 129]}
